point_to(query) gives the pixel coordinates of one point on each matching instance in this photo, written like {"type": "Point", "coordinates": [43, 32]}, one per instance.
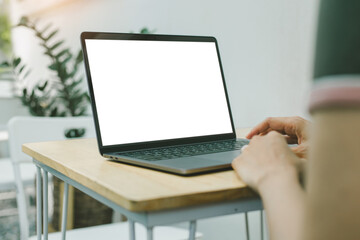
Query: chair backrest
{"type": "Point", "coordinates": [38, 129]}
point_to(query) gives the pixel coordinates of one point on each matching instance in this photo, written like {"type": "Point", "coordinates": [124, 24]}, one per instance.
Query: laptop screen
{"type": "Point", "coordinates": [157, 90]}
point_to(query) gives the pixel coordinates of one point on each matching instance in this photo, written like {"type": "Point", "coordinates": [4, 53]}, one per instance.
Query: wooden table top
{"type": "Point", "coordinates": [136, 188]}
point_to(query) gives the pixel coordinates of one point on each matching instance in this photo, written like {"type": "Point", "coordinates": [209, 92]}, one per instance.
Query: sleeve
{"type": "Point", "coordinates": [337, 57]}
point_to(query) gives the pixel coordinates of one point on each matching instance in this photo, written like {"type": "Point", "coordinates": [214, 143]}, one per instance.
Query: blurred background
{"type": "Point", "coordinates": [266, 46]}
{"type": "Point", "coordinates": [266, 49]}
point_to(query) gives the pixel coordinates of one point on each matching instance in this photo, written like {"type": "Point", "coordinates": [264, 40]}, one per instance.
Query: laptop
{"type": "Point", "coordinates": [160, 101]}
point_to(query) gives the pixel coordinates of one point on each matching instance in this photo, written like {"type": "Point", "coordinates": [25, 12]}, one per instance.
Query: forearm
{"type": "Point", "coordinates": [283, 200]}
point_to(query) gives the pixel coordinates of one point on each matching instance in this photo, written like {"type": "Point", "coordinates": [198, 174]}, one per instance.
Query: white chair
{"type": "Point", "coordinates": [7, 179]}
{"type": "Point", "coordinates": [37, 129]}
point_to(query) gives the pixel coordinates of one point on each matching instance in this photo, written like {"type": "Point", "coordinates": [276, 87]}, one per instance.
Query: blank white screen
{"type": "Point", "coordinates": [157, 90]}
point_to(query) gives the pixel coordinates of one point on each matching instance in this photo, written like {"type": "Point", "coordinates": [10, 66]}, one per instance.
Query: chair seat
{"type": "Point", "coordinates": [7, 179]}
{"type": "Point", "coordinates": [121, 231]}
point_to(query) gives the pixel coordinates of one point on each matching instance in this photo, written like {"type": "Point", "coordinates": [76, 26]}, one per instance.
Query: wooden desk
{"type": "Point", "coordinates": [146, 196]}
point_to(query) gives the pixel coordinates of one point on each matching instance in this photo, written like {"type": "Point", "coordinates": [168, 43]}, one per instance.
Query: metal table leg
{"type": "Point", "coordinates": [131, 229]}
{"type": "Point", "coordinates": [149, 233]}
{"type": "Point", "coordinates": [45, 195]}
{"type": "Point", "coordinates": [247, 226]}
{"type": "Point", "coordinates": [64, 211]}
{"type": "Point", "coordinates": [192, 230]}
{"type": "Point", "coordinates": [38, 202]}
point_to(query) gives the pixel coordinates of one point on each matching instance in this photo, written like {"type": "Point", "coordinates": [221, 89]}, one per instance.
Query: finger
{"type": "Point", "coordinates": [282, 125]}
{"type": "Point", "coordinates": [265, 132]}
{"type": "Point", "coordinates": [261, 127]}
{"type": "Point", "coordinates": [291, 140]}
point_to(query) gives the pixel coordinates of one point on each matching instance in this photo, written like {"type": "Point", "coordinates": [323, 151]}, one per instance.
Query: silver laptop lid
{"type": "Point", "coordinates": [151, 90]}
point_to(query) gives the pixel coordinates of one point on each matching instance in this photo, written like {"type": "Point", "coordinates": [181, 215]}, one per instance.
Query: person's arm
{"type": "Point", "coordinates": [333, 177]}
{"type": "Point", "coordinates": [270, 167]}
{"type": "Point", "coordinates": [284, 202]}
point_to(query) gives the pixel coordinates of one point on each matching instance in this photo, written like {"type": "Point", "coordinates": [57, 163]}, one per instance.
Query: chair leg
{"type": "Point", "coordinates": [64, 211]}
{"type": "Point", "coordinates": [131, 229]}
{"type": "Point", "coordinates": [262, 224]}
{"type": "Point", "coordinates": [247, 226]}
{"type": "Point", "coordinates": [21, 202]}
{"type": "Point", "coordinates": [38, 202]}
{"type": "Point", "coordinates": [192, 230]}
{"type": "Point", "coordinates": [45, 195]}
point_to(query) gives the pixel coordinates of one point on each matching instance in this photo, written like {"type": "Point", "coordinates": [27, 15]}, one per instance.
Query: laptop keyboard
{"type": "Point", "coordinates": [187, 150]}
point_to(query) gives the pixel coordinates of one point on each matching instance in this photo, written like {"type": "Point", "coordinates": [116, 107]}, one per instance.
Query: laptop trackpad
{"type": "Point", "coordinates": [224, 157]}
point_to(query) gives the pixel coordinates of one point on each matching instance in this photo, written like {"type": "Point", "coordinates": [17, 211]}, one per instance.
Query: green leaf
{"type": "Point", "coordinates": [62, 114]}
{"type": "Point", "coordinates": [62, 53]}
{"type": "Point", "coordinates": [53, 66]}
{"type": "Point", "coordinates": [5, 64]}
{"type": "Point", "coordinates": [21, 69]}
{"type": "Point", "coordinates": [144, 31]}
{"type": "Point", "coordinates": [52, 34]}
{"type": "Point", "coordinates": [73, 85]}
{"type": "Point", "coordinates": [53, 112]}
{"type": "Point", "coordinates": [53, 47]}
{"type": "Point", "coordinates": [65, 61]}
{"type": "Point", "coordinates": [81, 111]}
{"type": "Point", "coordinates": [42, 88]}
{"type": "Point", "coordinates": [32, 96]}
{"type": "Point", "coordinates": [16, 61]}
{"type": "Point", "coordinates": [62, 73]}
{"type": "Point", "coordinates": [73, 72]}
{"type": "Point", "coordinates": [23, 21]}
{"type": "Point", "coordinates": [87, 97]}
{"type": "Point", "coordinates": [46, 28]}
{"type": "Point", "coordinates": [79, 58]}
{"type": "Point", "coordinates": [76, 93]}
{"type": "Point", "coordinates": [39, 35]}
{"type": "Point", "coordinates": [27, 73]}
{"type": "Point", "coordinates": [48, 53]}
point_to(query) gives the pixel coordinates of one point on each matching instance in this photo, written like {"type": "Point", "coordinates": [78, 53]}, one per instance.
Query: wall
{"type": "Point", "coordinates": [266, 46]}
{"type": "Point", "coordinates": [266, 49]}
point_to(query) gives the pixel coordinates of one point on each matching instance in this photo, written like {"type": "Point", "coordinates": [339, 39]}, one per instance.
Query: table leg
{"type": "Point", "coordinates": [64, 211]}
{"type": "Point", "coordinates": [45, 208]}
{"type": "Point", "coordinates": [192, 230]}
{"type": "Point", "coordinates": [262, 224]}
{"type": "Point", "coordinates": [38, 202]}
{"type": "Point", "coordinates": [149, 233]}
{"type": "Point", "coordinates": [131, 229]}
{"type": "Point", "coordinates": [247, 226]}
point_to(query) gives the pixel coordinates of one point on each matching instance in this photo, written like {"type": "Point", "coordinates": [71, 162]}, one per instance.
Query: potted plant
{"type": "Point", "coordinates": [60, 95]}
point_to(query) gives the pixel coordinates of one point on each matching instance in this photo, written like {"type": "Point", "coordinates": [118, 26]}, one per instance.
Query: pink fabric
{"type": "Point", "coordinates": [335, 96]}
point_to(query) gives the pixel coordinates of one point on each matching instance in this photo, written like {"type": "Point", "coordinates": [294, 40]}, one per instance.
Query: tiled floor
{"type": "Point", "coordinates": [9, 218]}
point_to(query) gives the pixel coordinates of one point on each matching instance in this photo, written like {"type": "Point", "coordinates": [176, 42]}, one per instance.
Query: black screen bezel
{"type": "Point", "coordinates": [151, 144]}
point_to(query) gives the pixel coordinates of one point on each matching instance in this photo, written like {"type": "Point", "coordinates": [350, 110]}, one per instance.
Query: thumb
{"type": "Point", "coordinates": [300, 150]}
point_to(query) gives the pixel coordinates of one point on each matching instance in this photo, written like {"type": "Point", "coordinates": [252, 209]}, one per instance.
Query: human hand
{"type": "Point", "coordinates": [267, 159]}
{"type": "Point", "coordinates": [294, 128]}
